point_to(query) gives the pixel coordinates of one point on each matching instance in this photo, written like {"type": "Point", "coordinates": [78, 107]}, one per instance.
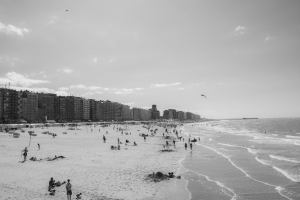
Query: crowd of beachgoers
{"type": "Point", "coordinates": [93, 161]}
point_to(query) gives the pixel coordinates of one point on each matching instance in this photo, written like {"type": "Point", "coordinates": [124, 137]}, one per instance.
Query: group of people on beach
{"type": "Point", "coordinates": [53, 184]}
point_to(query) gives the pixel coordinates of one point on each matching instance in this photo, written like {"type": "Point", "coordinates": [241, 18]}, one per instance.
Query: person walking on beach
{"type": "Point", "coordinates": [39, 146]}
{"type": "Point", "coordinates": [185, 146]}
{"type": "Point", "coordinates": [69, 190]}
{"type": "Point", "coordinates": [144, 138]}
{"type": "Point", "coordinates": [104, 139]}
{"type": "Point", "coordinates": [174, 142]}
{"type": "Point", "coordinates": [25, 153]}
{"type": "Point", "coordinates": [167, 144]}
{"type": "Point", "coordinates": [191, 146]}
{"type": "Point", "coordinates": [118, 141]}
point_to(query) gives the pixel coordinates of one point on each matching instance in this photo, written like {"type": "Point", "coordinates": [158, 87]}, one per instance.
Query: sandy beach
{"type": "Point", "coordinates": [94, 169]}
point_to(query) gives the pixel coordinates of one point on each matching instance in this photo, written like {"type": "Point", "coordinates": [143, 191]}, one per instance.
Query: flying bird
{"type": "Point", "coordinates": [203, 96]}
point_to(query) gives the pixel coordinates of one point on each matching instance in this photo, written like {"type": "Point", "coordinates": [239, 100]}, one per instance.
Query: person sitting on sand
{"type": "Point", "coordinates": [127, 141]}
{"type": "Point", "coordinates": [78, 196]}
{"type": "Point", "coordinates": [134, 143]}
{"type": "Point", "coordinates": [51, 184]}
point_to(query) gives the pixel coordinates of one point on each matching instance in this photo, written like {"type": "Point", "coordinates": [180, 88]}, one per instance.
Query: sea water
{"type": "Point", "coordinates": [243, 159]}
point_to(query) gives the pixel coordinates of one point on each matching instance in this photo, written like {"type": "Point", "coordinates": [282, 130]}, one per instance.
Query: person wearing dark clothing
{"type": "Point", "coordinates": [25, 153]}
{"type": "Point", "coordinates": [69, 190]}
{"type": "Point", "coordinates": [174, 142]}
{"type": "Point", "coordinates": [51, 184]}
{"type": "Point", "coordinates": [191, 146]}
{"type": "Point", "coordinates": [39, 146]}
{"type": "Point", "coordinates": [185, 146]}
{"type": "Point", "coordinates": [104, 139]}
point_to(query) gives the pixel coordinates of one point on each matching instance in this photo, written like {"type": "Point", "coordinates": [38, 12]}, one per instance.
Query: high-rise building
{"type": "Point", "coordinates": [78, 108]}
{"type": "Point", "coordinates": [1, 105]}
{"type": "Point", "coordinates": [32, 107]}
{"type": "Point", "coordinates": [46, 106]}
{"type": "Point", "coordinates": [126, 112]}
{"type": "Point", "coordinates": [10, 106]}
{"type": "Point", "coordinates": [155, 113]}
{"type": "Point", "coordinates": [56, 108]}
{"type": "Point", "coordinates": [85, 109]}
{"type": "Point", "coordinates": [92, 109]}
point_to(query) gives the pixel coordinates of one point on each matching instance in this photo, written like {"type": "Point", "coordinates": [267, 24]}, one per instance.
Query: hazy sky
{"type": "Point", "coordinates": [243, 55]}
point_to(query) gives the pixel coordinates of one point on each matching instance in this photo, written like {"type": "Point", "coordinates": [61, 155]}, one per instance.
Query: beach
{"type": "Point", "coordinates": [93, 168]}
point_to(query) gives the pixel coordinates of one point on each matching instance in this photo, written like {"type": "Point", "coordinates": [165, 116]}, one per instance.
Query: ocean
{"type": "Point", "coordinates": [243, 159]}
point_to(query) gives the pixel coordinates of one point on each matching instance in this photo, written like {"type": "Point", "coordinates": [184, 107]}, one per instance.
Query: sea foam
{"type": "Point", "coordinates": [293, 160]}
{"type": "Point", "coordinates": [292, 177]}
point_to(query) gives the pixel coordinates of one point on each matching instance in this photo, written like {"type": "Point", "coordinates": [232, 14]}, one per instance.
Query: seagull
{"type": "Point", "coordinates": [203, 95]}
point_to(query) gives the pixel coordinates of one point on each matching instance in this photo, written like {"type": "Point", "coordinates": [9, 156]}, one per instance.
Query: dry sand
{"type": "Point", "coordinates": [94, 169]}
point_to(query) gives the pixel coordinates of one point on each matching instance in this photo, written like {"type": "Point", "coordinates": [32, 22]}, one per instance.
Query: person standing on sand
{"type": "Point", "coordinates": [174, 142]}
{"type": "Point", "coordinates": [144, 138]}
{"type": "Point", "coordinates": [104, 139]}
{"type": "Point", "coordinates": [118, 141]}
{"type": "Point", "coordinates": [39, 146]}
{"type": "Point", "coordinates": [25, 153]}
{"type": "Point", "coordinates": [185, 146]}
{"type": "Point", "coordinates": [191, 146]}
{"type": "Point", "coordinates": [69, 190]}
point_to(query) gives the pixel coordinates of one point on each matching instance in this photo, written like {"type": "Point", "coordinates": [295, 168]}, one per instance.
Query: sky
{"type": "Point", "coordinates": [243, 55]}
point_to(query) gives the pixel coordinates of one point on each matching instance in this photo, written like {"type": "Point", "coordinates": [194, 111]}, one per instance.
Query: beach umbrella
{"type": "Point", "coordinates": [30, 132]}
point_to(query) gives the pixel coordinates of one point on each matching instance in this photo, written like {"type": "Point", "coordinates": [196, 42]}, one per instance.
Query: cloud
{"type": "Point", "coordinates": [112, 60]}
{"type": "Point", "coordinates": [61, 93]}
{"type": "Point", "coordinates": [165, 85]}
{"type": "Point", "coordinates": [11, 29]}
{"type": "Point", "coordinates": [268, 38]}
{"type": "Point", "coordinates": [95, 60]}
{"type": "Point", "coordinates": [63, 88]}
{"type": "Point", "coordinates": [11, 61]}
{"type": "Point", "coordinates": [53, 19]}
{"type": "Point", "coordinates": [239, 30]}
{"type": "Point", "coordinates": [67, 70]}
{"type": "Point", "coordinates": [81, 87]}
{"type": "Point", "coordinates": [129, 104]}
{"type": "Point", "coordinates": [18, 79]}
{"type": "Point", "coordinates": [43, 90]}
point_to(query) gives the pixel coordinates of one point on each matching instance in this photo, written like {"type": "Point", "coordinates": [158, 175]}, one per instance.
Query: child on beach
{"type": "Point", "coordinates": [25, 153]}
